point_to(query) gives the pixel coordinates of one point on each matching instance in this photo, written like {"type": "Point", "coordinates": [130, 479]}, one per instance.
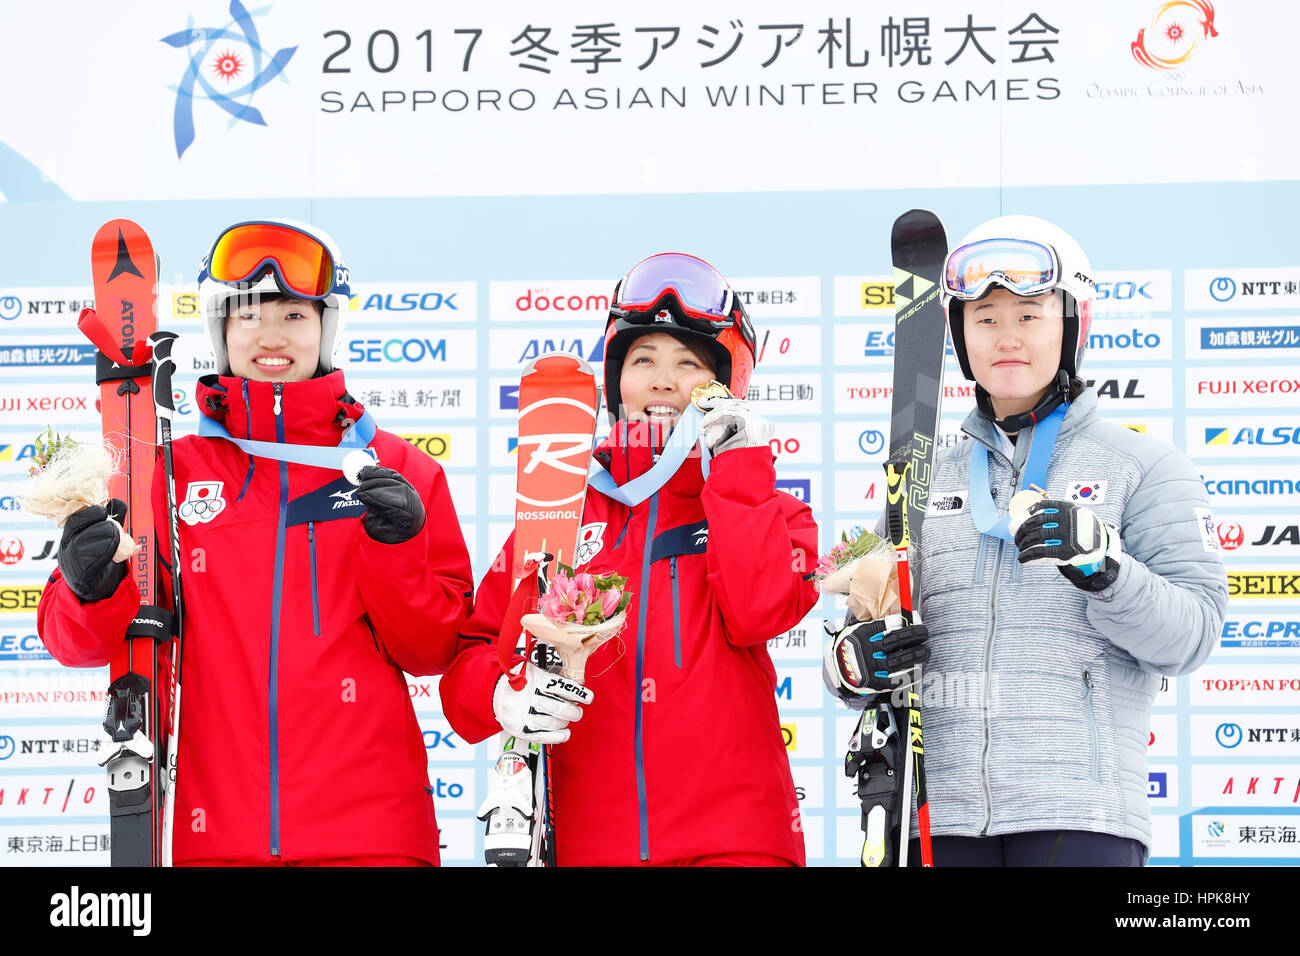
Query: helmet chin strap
{"type": "Point", "coordinates": [1065, 390]}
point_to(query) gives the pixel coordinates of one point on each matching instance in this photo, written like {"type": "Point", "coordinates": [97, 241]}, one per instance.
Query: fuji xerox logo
{"type": "Point", "coordinates": [227, 65]}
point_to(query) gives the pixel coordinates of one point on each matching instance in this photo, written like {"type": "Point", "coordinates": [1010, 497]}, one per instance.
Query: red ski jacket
{"type": "Point", "coordinates": [298, 740]}
{"type": "Point", "coordinates": [680, 754]}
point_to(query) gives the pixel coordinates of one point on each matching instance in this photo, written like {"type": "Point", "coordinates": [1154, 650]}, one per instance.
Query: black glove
{"type": "Point", "coordinates": [1083, 547]}
{"type": "Point", "coordinates": [86, 551]}
{"type": "Point", "coordinates": [394, 512]}
{"type": "Point", "coordinates": [864, 659]}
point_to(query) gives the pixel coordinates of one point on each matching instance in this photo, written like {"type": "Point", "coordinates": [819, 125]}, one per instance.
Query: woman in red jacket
{"type": "Point", "coordinates": [306, 597]}
{"type": "Point", "coordinates": [678, 759]}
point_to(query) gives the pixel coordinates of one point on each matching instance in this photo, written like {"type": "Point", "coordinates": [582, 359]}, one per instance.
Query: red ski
{"type": "Point", "coordinates": [558, 406]}
{"type": "Point", "coordinates": [125, 272]}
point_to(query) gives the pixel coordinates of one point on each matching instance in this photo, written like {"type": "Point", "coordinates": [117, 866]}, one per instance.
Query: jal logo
{"type": "Point", "coordinates": [227, 65]}
{"type": "Point", "coordinates": [594, 352]}
{"type": "Point", "coordinates": [202, 502]}
{"type": "Point", "coordinates": [1231, 535]}
{"type": "Point", "coordinates": [1175, 33]}
{"type": "Point", "coordinates": [11, 550]}
{"type": "Point", "coordinates": [1273, 535]}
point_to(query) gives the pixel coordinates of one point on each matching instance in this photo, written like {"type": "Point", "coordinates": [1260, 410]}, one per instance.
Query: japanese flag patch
{"type": "Point", "coordinates": [1209, 532]}
{"type": "Point", "coordinates": [589, 543]}
{"type": "Point", "coordinates": [202, 502]}
{"type": "Point", "coordinates": [1087, 492]}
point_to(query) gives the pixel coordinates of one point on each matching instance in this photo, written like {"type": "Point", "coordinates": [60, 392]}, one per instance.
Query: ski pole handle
{"type": "Point", "coordinates": [162, 343]}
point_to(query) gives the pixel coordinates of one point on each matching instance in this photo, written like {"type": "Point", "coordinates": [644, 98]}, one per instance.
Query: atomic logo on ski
{"type": "Point", "coordinates": [123, 265]}
{"type": "Point", "coordinates": [202, 503]}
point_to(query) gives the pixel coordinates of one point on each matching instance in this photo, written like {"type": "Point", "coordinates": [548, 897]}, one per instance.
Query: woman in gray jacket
{"type": "Point", "coordinates": [1050, 618]}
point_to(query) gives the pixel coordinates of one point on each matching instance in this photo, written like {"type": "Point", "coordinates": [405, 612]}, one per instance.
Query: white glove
{"type": "Point", "coordinates": [730, 423]}
{"type": "Point", "coordinates": [541, 712]}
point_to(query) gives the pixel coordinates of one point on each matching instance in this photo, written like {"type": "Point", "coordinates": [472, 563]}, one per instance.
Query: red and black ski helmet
{"type": "Point", "coordinates": [687, 298]}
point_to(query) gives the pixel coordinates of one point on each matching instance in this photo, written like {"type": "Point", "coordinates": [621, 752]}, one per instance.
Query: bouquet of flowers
{"type": "Point", "coordinates": [67, 476]}
{"type": "Point", "coordinates": [862, 566]}
{"type": "Point", "coordinates": [577, 614]}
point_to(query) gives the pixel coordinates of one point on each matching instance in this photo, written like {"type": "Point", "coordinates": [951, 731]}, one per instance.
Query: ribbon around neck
{"type": "Point", "coordinates": [684, 437]}
{"type": "Point", "coordinates": [1042, 441]}
{"type": "Point", "coordinates": [358, 437]}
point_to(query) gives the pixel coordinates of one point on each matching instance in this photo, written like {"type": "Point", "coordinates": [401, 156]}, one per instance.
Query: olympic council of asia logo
{"type": "Point", "coordinates": [219, 59]}
{"type": "Point", "coordinates": [1176, 31]}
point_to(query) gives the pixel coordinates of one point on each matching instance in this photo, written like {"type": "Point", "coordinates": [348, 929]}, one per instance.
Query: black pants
{"type": "Point", "coordinates": [1037, 848]}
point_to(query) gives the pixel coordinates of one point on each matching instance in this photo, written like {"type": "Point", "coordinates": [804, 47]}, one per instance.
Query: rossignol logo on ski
{"type": "Point", "coordinates": [589, 543]}
{"type": "Point", "coordinates": [1088, 492]}
{"type": "Point", "coordinates": [202, 502]}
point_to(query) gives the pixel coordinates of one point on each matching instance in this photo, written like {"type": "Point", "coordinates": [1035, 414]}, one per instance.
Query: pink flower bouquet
{"type": "Point", "coordinates": [577, 614]}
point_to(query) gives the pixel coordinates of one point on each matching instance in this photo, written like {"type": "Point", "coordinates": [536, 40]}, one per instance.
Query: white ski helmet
{"type": "Point", "coordinates": [1029, 256]}
{"type": "Point", "coordinates": [275, 257]}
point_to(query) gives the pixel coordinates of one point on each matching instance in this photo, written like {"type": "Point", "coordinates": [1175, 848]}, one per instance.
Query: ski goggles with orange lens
{"type": "Point", "coordinates": [1024, 267]}
{"type": "Point", "coordinates": [302, 264]}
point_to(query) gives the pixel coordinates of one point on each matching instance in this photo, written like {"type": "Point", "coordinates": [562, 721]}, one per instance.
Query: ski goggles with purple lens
{"type": "Point", "coordinates": [1024, 267]}
{"type": "Point", "coordinates": [700, 290]}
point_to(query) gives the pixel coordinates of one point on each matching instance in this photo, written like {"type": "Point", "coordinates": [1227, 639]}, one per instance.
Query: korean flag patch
{"type": "Point", "coordinates": [1087, 492]}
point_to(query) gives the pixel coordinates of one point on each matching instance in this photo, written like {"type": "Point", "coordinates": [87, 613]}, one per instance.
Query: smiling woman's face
{"type": "Point", "coordinates": [658, 375]}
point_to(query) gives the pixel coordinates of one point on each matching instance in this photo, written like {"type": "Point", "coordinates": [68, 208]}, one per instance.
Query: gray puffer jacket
{"type": "Point", "coordinates": [1037, 699]}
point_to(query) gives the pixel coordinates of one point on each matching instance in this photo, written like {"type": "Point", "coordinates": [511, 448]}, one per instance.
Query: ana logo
{"type": "Point", "coordinates": [1088, 492]}
{"type": "Point", "coordinates": [1231, 535]}
{"type": "Point", "coordinates": [1222, 289]}
{"type": "Point", "coordinates": [1228, 735]}
{"type": "Point", "coordinates": [231, 57]}
{"type": "Point", "coordinates": [589, 542]}
{"type": "Point", "coordinates": [871, 441]}
{"type": "Point", "coordinates": [202, 503]}
{"type": "Point", "coordinates": [1176, 31]}
{"type": "Point", "coordinates": [11, 550]}
{"type": "Point", "coordinates": [10, 307]}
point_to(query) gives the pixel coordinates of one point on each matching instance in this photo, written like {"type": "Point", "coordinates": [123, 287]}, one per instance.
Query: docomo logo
{"type": "Point", "coordinates": [566, 452]}
{"type": "Point", "coordinates": [537, 300]}
{"type": "Point", "coordinates": [789, 446]}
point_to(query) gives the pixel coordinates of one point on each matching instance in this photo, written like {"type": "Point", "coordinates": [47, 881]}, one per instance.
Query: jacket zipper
{"type": "Point", "coordinates": [677, 628]}
{"type": "Point", "coordinates": [644, 599]}
{"type": "Point", "coordinates": [315, 600]}
{"type": "Point", "coordinates": [274, 677]}
{"type": "Point", "coordinates": [988, 675]}
{"type": "Point", "coordinates": [1092, 724]}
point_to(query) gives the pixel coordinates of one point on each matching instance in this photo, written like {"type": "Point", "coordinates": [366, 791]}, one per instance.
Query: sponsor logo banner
{"type": "Point", "coordinates": [1257, 485]}
{"type": "Point", "coordinates": [1259, 631]}
{"type": "Point", "coordinates": [416, 398]}
{"type": "Point", "coordinates": [417, 301]}
{"type": "Point", "coordinates": [1242, 288]}
{"type": "Point", "coordinates": [410, 349]}
{"type": "Point", "coordinates": [1119, 336]}
{"type": "Point", "coordinates": [1269, 836]}
{"type": "Point", "coordinates": [1133, 293]}
{"type": "Point", "coordinates": [49, 745]}
{"type": "Point", "coordinates": [62, 692]}
{"type": "Point", "coordinates": [569, 300]}
{"type": "Point", "coordinates": [22, 645]}
{"type": "Point", "coordinates": [1236, 387]}
{"type": "Point", "coordinates": [28, 795]}
{"type": "Point", "coordinates": [1250, 536]}
{"type": "Point", "coordinates": [786, 393]}
{"type": "Point", "coordinates": [44, 354]}
{"type": "Point", "coordinates": [1237, 437]}
{"type": "Point", "coordinates": [1220, 685]}
{"type": "Point", "coordinates": [1257, 338]}
{"type": "Point", "coordinates": [859, 295]}
{"type": "Point", "coordinates": [35, 550]}
{"type": "Point", "coordinates": [780, 297]}
{"type": "Point", "coordinates": [450, 447]}
{"type": "Point", "coordinates": [1144, 423]}
{"type": "Point", "coordinates": [780, 345]}
{"type": "Point", "coordinates": [797, 443]}
{"type": "Point", "coordinates": [1162, 785]}
{"type": "Point", "coordinates": [39, 404]}
{"type": "Point", "coordinates": [1245, 785]}
{"type": "Point", "coordinates": [1264, 585]}
{"type": "Point", "coordinates": [1246, 735]}
{"type": "Point", "coordinates": [83, 843]}
{"type": "Point", "coordinates": [43, 307]}
{"type": "Point", "coordinates": [514, 348]}
{"type": "Point", "coordinates": [1134, 388]}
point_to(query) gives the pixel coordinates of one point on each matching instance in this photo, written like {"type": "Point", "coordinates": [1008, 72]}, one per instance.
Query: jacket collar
{"type": "Point", "coordinates": [979, 425]}
{"type": "Point", "coordinates": [626, 454]}
{"type": "Point", "coordinates": [312, 412]}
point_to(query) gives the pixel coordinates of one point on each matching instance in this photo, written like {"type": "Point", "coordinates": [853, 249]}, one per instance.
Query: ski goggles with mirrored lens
{"type": "Point", "coordinates": [699, 289]}
{"type": "Point", "coordinates": [301, 262]}
{"type": "Point", "coordinates": [1024, 267]}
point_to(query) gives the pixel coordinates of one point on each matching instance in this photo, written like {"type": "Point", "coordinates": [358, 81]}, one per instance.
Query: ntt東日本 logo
{"type": "Point", "coordinates": [228, 65]}
{"type": "Point", "coordinates": [1176, 31]}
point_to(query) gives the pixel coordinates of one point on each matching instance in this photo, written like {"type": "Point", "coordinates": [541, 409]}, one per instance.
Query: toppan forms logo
{"type": "Point", "coordinates": [227, 54]}
{"type": "Point", "coordinates": [1175, 34]}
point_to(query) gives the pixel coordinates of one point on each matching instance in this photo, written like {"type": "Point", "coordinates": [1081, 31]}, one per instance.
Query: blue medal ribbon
{"type": "Point", "coordinates": [983, 511]}
{"type": "Point", "coordinates": [359, 436]}
{"type": "Point", "coordinates": [685, 436]}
